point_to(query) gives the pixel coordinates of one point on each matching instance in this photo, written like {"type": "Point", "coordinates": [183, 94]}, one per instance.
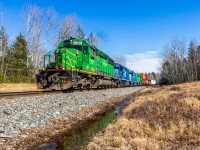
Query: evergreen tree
{"type": "Point", "coordinates": [192, 61]}
{"type": "Point", "coordinates": [18, 68]}
{"type": "Point", "coordinates": [198, 62]}
{"type": "Point", "coordinates": [79, 33]}
{"type": "Point", "coordinates": [154, 75]}
{"type": "Point", "coordinates": [166, 76]}
{"type": "Point", "coordinates": [191, 51]}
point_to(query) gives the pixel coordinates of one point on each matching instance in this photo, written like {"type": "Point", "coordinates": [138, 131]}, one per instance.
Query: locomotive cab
{"type": "Point", "coordinates": [60, 65]}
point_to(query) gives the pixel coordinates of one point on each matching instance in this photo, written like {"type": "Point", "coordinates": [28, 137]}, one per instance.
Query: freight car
{"type": "Point", "coordinates": [77, 64]}
{"type": "Point", "coordinates": [145, 79]}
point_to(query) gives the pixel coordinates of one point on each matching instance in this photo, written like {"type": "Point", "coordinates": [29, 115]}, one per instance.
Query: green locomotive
{"type": "Point", "coordinates": [75, 63]}
{"type": "Point", "coordinates": [138, 79]}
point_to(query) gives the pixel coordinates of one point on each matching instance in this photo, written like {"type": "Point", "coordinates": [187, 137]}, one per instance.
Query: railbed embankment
{"type": "Point", "coordinates": [37, 112]}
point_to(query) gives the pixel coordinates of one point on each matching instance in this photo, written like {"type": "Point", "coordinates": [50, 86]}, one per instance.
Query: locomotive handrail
{"type": "Point", "coordinates": [48, 54]}
{"type": "Point", "coordinates": [70, 63]}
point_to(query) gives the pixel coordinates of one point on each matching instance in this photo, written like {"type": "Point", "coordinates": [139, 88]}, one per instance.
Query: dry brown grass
{"type": "Point", "coordinates": [20, 87]}
{"type": "Point", "coordinates": [165, 118]}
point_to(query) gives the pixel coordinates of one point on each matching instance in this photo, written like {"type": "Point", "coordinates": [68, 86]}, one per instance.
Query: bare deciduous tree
{"type": "Point", "coordinates": [119, 59]}
{"type": "Point", "coordinates": [79, 33]}
{"type": "Point", "coordinates": [38, 26]}
{"type": "Point", "coordinates": [3, 45]}
{"type": "Point", "coordinates": [2, 38]}
{"type": "Point", "coordinates": [94, 40]}
{"type": "Point", "coordinates": [173, 57]}
{"type": "Point", "coordinates": [32, 15]}
{"type": "Point", "coordinates": [50, 25]}
{"type": "Point", "coordinates": [67, 27]}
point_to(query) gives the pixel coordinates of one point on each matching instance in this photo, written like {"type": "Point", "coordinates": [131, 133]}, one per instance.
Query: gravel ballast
{"type": "Point", "coordinates": [32, 111]}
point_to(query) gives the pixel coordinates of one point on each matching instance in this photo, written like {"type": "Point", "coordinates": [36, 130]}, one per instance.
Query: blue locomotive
{"type": "Point", "coordinates": [122, 73]}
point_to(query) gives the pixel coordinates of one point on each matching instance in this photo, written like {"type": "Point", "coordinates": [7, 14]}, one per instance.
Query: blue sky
{"type": "Point", "coordinates": [138, 30]}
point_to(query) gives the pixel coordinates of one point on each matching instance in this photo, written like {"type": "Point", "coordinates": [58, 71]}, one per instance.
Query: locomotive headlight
{"type": "Point", "coordinates": [76, 52]}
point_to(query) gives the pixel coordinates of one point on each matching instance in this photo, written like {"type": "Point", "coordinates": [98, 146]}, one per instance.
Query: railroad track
{"type": "Point", "coordinates": [8, 95]}
{"type": "Point", "coordinates": [28, 93]}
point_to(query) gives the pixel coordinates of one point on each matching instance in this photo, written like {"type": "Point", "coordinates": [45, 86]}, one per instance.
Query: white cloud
{"type": "Point", "coordinates": [143, 62]}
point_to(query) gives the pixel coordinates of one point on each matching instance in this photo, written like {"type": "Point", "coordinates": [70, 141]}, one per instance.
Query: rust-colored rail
{"type": "Point", "coordinates": [28, 93]}
{"type": "Point", "coordinates": [9, 95]}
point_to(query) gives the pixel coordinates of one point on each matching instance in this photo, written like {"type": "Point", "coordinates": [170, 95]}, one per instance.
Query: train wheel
{"type": "Point", "coordinates": [88, 87]}
{"type": "Point", "coordinates": [71, 89]}
{"type": "Point", "coordinates": [80, 89]}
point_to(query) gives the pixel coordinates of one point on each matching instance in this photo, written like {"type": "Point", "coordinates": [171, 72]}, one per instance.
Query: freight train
{"type": "Point", "coordinates": [77, 64]}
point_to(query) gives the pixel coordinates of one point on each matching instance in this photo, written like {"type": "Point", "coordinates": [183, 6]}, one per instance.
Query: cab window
{"type": "Point", "coordinates": [85, 49]}
{"type": "Point", "coordinates": [78, 47]}
{"type": "Point", "coordinates": [93, 53]}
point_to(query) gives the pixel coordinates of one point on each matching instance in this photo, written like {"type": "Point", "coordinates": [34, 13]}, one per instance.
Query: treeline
{"type": "Point", "coordinates": [180, 63]}
{"type": "Point", "coordinates": [20, 59]}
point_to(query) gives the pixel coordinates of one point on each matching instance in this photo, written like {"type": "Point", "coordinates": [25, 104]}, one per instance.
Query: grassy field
{"type": "Point", "coordinates": [159, 118]}
{"type": "Point", "coordinates": [20, 87]}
